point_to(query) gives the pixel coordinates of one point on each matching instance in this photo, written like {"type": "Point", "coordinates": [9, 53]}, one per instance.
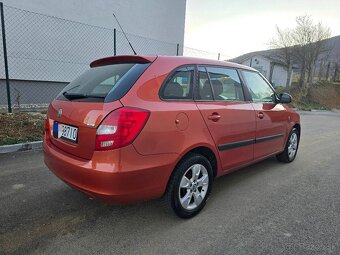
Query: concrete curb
{"type": "Point", "coordinates": [21, 147]}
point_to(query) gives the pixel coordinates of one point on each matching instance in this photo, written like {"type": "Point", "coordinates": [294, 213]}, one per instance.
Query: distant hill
{"type": "Point", "coordinates": [333, 43]}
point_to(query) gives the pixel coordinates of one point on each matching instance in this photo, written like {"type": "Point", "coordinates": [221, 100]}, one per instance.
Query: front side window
{"type": "Point", "coordinates": [179, 85]}
{"type": "Point", "coordinates": [225, 84]}
{"type": "Point", "coordinates": [259, 90]}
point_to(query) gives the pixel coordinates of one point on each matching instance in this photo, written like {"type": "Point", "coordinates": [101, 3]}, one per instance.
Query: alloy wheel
{"type": "Point", "coordinates": [193, 187]}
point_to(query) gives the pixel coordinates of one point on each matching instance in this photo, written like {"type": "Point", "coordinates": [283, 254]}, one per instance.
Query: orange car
{"type": "Point", "coordinates": [134, 128]}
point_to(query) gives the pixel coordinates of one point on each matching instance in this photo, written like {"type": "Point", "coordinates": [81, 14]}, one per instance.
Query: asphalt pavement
{"type": "Point", "coordinates": [267, 208]}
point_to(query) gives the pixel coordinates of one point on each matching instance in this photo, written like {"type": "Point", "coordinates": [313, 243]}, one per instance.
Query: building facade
{"type": "Point", "coordinates": [157, 19]}
{"type": "Point", "coordinates": [273, 69]}
{"type": "Point", "coordinates": [49, 43]}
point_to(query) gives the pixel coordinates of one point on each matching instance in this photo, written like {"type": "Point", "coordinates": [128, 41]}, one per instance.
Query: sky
{"type": "Point", "coordinates": [236, 27]}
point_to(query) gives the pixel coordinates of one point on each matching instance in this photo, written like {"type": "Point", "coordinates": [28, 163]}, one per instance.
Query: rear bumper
{"type": "Point", "coordinates": [119, 176]}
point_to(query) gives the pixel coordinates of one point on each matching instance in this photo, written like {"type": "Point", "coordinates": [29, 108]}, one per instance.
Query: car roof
{"type": "Point", "coordinates": [182, 60]}
{"type": "Point", "coordinates": [179, 60]}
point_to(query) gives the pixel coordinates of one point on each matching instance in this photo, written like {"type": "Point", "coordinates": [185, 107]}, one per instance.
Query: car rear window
{"type": "Point", "coordinates": [103, 84]}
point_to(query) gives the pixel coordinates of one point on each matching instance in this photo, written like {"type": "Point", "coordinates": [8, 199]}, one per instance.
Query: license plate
{"type": "Point", "coordinates": [65, 132]}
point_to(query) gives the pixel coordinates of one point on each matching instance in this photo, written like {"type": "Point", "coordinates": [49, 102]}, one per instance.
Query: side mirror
{"type": "Point", "coordinates": [285, 98]}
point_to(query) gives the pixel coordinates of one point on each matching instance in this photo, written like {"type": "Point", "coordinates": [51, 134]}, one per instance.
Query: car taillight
{"type": "Point", "coordinates": [120, 128]}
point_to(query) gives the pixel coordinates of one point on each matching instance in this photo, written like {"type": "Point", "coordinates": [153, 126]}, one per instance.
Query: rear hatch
{"type": "Point", "coordinates": [83, 104]}
{"type": "Point", "coordinates": [85, 118]}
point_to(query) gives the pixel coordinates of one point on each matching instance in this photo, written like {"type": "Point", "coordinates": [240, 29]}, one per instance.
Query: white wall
{"type": "Point", "coordinates": [262, 64]}
{"type": "Point", "coordinates": [259, 63]}
{"type": "Point", "coordinates": [279, 76]}
{"type": "Point", "coordinates": [47, 48]}
{"type": "Point", "coordinates": [158, 19]}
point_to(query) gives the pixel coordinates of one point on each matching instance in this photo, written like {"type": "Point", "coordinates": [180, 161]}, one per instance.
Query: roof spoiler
{"type": "Point", "coordinates": [123, 59]}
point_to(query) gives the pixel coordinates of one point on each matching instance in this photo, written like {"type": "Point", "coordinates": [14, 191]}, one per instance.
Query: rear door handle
{"type": "Point", "coordinates": [260, 115]}
{"type": "Point", "coordinates": [214, 117]}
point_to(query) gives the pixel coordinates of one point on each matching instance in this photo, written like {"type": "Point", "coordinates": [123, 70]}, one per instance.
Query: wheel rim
{"type": "Point", "coordinates": [292, 146]}
{"type": "Point", "coordinates": [193, 186]}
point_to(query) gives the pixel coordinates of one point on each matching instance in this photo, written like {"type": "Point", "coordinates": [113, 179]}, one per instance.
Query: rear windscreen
{"type": "Point", "coordinates": [103, 84]}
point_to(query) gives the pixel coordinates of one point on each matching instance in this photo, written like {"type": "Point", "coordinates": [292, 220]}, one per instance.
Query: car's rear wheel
{"type": "Point", "coordinates": [189, 186]}
{"type": "Point", "coordinates": [290, 151]}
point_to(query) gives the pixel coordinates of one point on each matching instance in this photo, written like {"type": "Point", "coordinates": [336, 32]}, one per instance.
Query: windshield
{"type": "Point", "coordinates": [96, 84]}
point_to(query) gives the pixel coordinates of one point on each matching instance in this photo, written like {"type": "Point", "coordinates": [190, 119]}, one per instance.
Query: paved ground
{"type": "Point", "coordinates": [268, 208]}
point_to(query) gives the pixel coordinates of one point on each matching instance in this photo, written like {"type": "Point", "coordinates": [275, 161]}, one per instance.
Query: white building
{"type": "Point", "coordinates": [157, 19]}
{"type": "Point", "coordinates": [273, 69]}
{"type": "Point", "coordinates": [50, 42]}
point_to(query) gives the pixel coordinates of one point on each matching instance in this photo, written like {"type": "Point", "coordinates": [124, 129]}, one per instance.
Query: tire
{"type": "Point", "coordinates": [291, 148]}
{"type": "Point", "coordinates": [187, 193]}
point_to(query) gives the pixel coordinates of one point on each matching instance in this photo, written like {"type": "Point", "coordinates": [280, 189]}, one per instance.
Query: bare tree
{"type": "Point", "coordinates": [310, 41]}
{"type": "Point", "coordinates": [302, 45]}
{"type": "Point", "coordinates": [323, 64]}
{"type": "Point", "coordinates": [336, 68]}
{"type": "Point", "coordinates": [284, 45]}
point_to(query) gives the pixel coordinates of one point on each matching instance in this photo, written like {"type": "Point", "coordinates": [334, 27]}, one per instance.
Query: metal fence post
{"type": "Point", "coordinates": [177, 51]}
{"type": "Point", "coordinates": [114, 42]}
{"type": "Point", "coordinates": [5, 57]}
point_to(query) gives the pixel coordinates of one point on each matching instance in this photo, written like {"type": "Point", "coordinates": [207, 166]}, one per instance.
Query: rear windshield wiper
{"type": "Point", "coordinates": [73, 96]}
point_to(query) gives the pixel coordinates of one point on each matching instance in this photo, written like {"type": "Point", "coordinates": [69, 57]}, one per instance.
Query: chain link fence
{"type": "Point", "coordinates": [44, 53]}
{"type": "Point", "coordinates": [187, 51]}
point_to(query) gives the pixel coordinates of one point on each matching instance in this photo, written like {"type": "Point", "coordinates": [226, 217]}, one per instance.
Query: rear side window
{"type": "Point", "coordinates": [225, 85]}
{"type": "Point", "coordinates": [179, 85]}
{"type": "Point", "coordinates": [258, 88]}
{"type": "Point", "coordinates": [103, 84]}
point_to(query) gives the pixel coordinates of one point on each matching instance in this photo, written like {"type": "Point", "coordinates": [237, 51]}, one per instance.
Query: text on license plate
{"type": "Point", "coordinates": [66, 131]}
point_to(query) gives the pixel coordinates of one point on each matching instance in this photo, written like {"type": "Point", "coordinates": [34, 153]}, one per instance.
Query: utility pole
{"type": "Point", "coordinates": [5, 57]}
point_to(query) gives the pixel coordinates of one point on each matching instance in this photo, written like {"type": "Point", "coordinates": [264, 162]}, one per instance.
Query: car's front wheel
{"type": "Point", "coordinates": [290, 151]}
{"type": "Point", "coordinates": [190, 185]}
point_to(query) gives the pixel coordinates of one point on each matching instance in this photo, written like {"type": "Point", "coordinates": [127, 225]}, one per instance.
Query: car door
{"type": "Point", "coordinates": [271, 117]}
{"type": "Point", "coordinates": [230, 118]}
